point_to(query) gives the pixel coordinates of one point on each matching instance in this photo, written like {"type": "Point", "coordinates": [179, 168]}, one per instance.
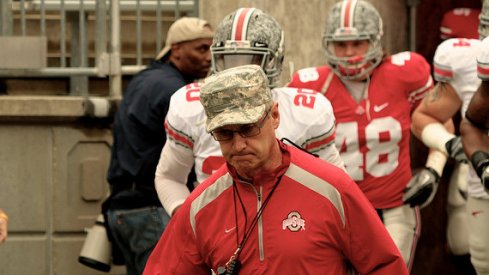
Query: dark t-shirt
{"type": "Point", "coordinates": [138, 129]}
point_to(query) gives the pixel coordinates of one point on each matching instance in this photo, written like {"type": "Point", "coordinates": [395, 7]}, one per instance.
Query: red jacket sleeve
{"type": "Point", "coordinates": [370, 248]}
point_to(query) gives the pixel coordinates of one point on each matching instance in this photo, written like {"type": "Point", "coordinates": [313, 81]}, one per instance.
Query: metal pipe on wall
{"type": "Point", "coordinates": [62, 36]}
{"type": "Point", "coordinates": [412, 23]}
{"type": "Point", "coordinates": [115, 78]}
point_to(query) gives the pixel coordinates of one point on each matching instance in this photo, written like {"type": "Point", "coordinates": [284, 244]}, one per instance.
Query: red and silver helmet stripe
{"type": "Point", "coordinates": [347, 13]}
{"type": "Point", "coordinates": [240, 23]}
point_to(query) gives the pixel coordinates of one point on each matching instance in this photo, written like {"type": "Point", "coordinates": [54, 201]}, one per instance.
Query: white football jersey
{"type": "Point", "coordinates": [455, 62]}
{"type": "Point", "coordinates": [306, 118]}
{"type": "Point", "coordinates": [483, 60]}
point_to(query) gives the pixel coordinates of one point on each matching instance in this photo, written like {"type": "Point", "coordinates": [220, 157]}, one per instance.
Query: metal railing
{"type": "Point", "coordinates": [76, 19]}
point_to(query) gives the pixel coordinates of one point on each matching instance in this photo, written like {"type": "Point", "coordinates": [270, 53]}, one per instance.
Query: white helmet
{"type": "Point", "coordinates": [484, 20]}
{"type": "Point", "coordinates": [249, 36]}
{"type": "Point", "coordinates": [352, 20]}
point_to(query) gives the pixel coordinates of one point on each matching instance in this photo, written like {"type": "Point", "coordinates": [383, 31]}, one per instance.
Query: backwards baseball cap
{"type": "Point", "coordinates": [186, 29]}
{"type": "Point", "coordinates": [238, 95]}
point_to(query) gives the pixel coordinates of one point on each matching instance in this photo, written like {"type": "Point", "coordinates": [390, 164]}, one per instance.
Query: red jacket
{"type": "Point", "coordinates": [317, 221]}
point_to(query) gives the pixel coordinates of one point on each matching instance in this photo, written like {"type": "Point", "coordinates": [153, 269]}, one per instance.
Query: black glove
{"type": "Point", "coordinates": [455, 150]}
{"type": "Point", "coordinates": [480, 161]}
{"type": "Point", "coordinates": [421, 189]}
{"type": "Point", "coordinates": [485, 177]}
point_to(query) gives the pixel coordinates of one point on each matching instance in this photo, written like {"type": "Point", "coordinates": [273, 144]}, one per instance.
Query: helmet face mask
{"type": "Point", "coordinates": [356, 67]}
{"type": "Point", "coordinates": [249, 36]}
{"type": "Point", "coordinates": [484, 20]}
{"type": "Point", "coordinates": [238, 53]}
{"type": "Point", "coordinates": [353, 20]}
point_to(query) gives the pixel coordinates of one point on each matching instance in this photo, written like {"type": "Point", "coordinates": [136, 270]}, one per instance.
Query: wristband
{"type": "Point", "coordinates": [435, 174]}
{"type": "Point", "coordinates": [436, 160]}
{"type": "Point", "coordinates": [4, 216]}
{"type": "Point", "coordinates": [479, 160]}
{"type": "Point", "coordinates": [435, 135]}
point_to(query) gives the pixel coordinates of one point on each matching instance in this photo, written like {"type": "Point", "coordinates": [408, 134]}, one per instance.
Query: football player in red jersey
{"type": "Point", "coordinates": [373, 96]}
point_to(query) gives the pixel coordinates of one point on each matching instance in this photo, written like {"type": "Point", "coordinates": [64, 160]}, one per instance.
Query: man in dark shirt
{"type": "Point", "coordinates": [134, 214]}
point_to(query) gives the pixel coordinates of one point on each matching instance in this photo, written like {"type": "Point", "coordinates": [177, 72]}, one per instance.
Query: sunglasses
{"type": "Point", "coordinates": [247, 130]}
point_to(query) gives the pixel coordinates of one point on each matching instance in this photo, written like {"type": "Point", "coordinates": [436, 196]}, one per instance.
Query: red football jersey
{"type": "Point", "coordinates": [373, 135]}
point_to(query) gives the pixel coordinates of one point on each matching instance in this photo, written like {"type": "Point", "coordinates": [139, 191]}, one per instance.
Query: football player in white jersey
{"type": "Point", "coordinates": [246, 36]}
{"type": "Point", "coordinates": [455, 71]}
{"type": "Point", "coordinates": [455, 65]}
{"type": "Point", "coordinates": [457, 227]}
{"type": "Point", "coordinates": [372, 96]}
{"type": "Point", "coordinates": [475, 126]}
{"type": "Point", "coordinates": [474, 130]}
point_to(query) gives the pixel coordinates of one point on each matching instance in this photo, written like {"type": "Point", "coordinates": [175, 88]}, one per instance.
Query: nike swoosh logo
{"type": "Point", "coordinates": [378, 108]}
{"type": "Point", "coordinates": [229, 230]}
{"type": "Point", "coordinates": [475, 213]}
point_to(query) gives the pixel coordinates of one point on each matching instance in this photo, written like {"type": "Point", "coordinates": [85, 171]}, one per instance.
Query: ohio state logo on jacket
{"type": "Point", "coordinates": [294, 222]}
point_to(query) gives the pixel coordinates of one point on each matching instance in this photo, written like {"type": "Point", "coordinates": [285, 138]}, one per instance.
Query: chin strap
{"type": "Point", "coordinates": [367, 101]}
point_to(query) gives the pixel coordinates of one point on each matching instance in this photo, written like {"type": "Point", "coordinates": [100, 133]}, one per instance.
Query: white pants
{"type": "Point", "coordinates": [478, 221]}
{"type": "Point", "coordinates": [404, 226]}
{"type": "Point", "coordinates": [457, 225]}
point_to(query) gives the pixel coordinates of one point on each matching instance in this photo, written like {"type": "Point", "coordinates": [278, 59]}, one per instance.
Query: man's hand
{"type": "Point", "coordinates": [455, 150]}
{"type": "Point", "coordinates": [421, 189]}
{"type": "Point", "coordinates": [3, 226]}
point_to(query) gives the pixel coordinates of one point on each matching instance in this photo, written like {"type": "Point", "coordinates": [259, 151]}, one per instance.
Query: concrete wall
{"type": "Point", "coordinates": [52, 181]}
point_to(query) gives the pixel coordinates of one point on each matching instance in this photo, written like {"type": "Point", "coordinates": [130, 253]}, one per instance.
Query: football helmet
{"type": "Point", "coordinates": [484, 20]}
{"type": "Point", "coordinates": [249, 36]}
{"type": "Point", "coordinates": [353, 20]}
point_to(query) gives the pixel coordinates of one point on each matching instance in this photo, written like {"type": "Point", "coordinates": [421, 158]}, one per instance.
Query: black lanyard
{"type": "Point", "coordinates": [233, 265]}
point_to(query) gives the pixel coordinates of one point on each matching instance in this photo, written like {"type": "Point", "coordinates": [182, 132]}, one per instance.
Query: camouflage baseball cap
{"type": "Point", "coordinates": [238, 95]}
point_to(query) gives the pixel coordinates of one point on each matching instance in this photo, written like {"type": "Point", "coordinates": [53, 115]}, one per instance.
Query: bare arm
{"type": "Point", "coordinates": [438, 106]}
{"type": "Point", "coordinates": [473, 138]}
{"type": "Point", "coordinates": [431, 121]}
{"type": "Point", "coordinates": [473, 128]}
{"type": "Point", "coordinates": [478, 111]}
{"type": "Point", "coordinates": [474, 133]}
